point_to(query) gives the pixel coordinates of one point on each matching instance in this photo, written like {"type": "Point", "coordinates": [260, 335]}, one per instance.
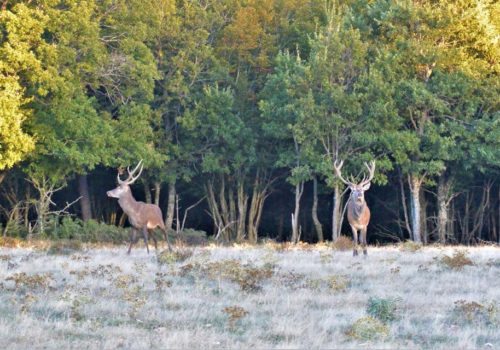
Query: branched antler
{"type": "Point", "coordinates": [131, 174]}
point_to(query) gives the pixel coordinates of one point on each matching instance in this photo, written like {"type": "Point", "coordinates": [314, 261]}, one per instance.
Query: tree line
{"type": "Point", "coordinates": [242, 108]}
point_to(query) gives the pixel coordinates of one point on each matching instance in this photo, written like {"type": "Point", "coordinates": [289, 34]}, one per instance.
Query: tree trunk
{"type": "Point", "coordinates": [415, 186]}
{"type": "Point", "coordinates": [147, 192]}
{"type": "Point", "coordinates": [242, 199]}
{"type": "Point", "coordinates": [443, 199]}
{"type": "Point", "coordinates": [214, 208]}
{"type": "Point", "coordinates": [299, 189]}
{"type": "Point", "coordinates": [336, 213]}
{"type": "Point", "coordinates": [405, 208]}
{"type": "Point", "coordinates": [83, 190]}
{"type": "Point", "coordinates": [157, 193]}
{"type": "Point", "coordinates": [424, 233]}
{"type": "Point", "coordinates": [317, 223]}
{"type": "Point", "coordinates": [169, 216]}
{"type": "Point", "coordinates": [260, 192]}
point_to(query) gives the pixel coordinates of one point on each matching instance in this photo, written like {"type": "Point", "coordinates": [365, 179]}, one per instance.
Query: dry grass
{"type": "Point", "coordinates": [272, 296]}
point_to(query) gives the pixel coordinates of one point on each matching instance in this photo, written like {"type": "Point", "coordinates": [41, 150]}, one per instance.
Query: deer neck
{"type": "Point", "coordinates": [357, 209]}
{"type": "Point", "coordinates": [128, 203]}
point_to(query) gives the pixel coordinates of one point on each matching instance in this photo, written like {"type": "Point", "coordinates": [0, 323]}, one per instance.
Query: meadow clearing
{"type": "Point", "coordinates": [266, 296]}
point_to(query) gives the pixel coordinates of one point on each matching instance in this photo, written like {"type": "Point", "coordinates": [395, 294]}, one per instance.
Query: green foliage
{"type": "Point", "coordinates": [250, 89]}
{"type": "Point", "coordinates": [383, 309]}
{"type": "Point", "coordinates": [89, 231]}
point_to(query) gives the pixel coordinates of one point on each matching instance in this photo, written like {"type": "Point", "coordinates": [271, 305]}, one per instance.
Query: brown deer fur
{"type": "Point", "coordinates": [358, 213]}
{"type": "Point", "coordinates": [142, 216]}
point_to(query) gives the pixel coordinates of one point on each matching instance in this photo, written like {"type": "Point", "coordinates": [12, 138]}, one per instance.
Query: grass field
{"type": "Point", "coordinates": [270, 296]}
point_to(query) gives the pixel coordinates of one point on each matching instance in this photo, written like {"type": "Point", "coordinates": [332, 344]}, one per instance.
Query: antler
{"type": "Point", "coordinates": [371, 170]}
{"type": "Point", "coordinates": [339, 174]}
{"type": "Point", "coordinates": [130, 179]}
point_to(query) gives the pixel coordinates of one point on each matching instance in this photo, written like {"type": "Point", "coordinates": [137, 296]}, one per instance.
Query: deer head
{"type": "Point", "coordinates": [357, 190]}
{"type": "Point", "coordinates": [123, 185]}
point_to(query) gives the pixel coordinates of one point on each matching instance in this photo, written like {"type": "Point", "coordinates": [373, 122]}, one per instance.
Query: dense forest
{"type": "Point", "coordinates": [240, 108]}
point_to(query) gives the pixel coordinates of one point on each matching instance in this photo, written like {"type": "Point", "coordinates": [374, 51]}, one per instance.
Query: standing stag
{"type": "Point", "coordinates": [142, 216]}
{"type": "Point", "coordinates": [358, 213]}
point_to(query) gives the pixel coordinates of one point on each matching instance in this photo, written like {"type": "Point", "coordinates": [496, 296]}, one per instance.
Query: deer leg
{"type": "Point", "coordinates": [363, 240]}
{"type": "Point", "coordinates": [354, 241]}
{"type": "Point", "coordinates": [145, 236]}
{"type": "Point", "coordinates": [152, 232]}
{"type": "Point", "coordinates": [166, 237]}
{"type": "Point", "coordinates": [132, 239]}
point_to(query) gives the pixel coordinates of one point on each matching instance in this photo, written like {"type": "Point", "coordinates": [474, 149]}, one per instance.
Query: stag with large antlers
{"type": "Point", "coordinates": [142, 216]}
{"type": "Point", "coordinates": [358, 213]}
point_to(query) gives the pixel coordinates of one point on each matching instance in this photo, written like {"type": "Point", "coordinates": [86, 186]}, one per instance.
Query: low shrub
{"type": "Point", "coordinates": [471, 312]}
{"type": "Point", "coordinates": [64, 247]}
{"type": "Point", "coordinates": [343, 243]}
{"type": "Point", "coordinates": [175, 255]}
{"type": "Point", "coordinates": [90, 231]}
{"type": "Point", "coordinates": [234, 313]}
{"type": "Point", "coordinates": [410, 246]}
{"type": "Point", "coordinates": [192, 237]}
{"type": "Point", "coordinates": [383, 309]}
{"type": "Point", "coordinates": [247, 276]}
{"type": "Point", "coordinates": [457, 261]}
{"type": "Point", "coordinates": [11, 242]}
{"type": "Point", "coordinates": [368, 328]}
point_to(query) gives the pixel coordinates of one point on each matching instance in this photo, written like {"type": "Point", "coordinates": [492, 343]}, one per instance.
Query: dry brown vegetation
{"type": "Point", "coordinates": [269, 296]}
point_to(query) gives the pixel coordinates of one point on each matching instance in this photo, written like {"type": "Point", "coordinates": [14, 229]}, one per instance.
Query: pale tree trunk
{"type": "Point", "coordinates": [260, 192]}
{"type": "Point", "coordinates": [299, 189]}
{"type": "Point", "coordinates": [317, 223]}
{"type": "Point", "coordinates": [157, 193]}
{"type": "Point", "coordinates": [415, 186]}
{"type": "Point", "coordinates": [169, 216]}
{"type": "Point", "coordinates": [83, 190]}
{"type": "Point", "coordinates": [443, 200]}
{"type": "Point", "coordinates": [336, 215]}
{"type": "Point", "coordinates": [424, 234]}
{"type": "Point", "coordinates": [214, 208]}
{"type": "Point", "coordinates": [147, 192]}
{"type": "Point", "coordinates": [405, 208]}
{"type": "Point", "coordinates": [242, 212]}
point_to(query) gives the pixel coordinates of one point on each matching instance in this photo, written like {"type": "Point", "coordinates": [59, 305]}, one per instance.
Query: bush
{"type": "Point", "coordinates": [410, 246]}
{"type": "Point", "coordinates": [176, 255]}
{"type": "Point", "coordinates": [368, 328]}
{"type": "Point", "coordinates": [64, 247]}
{"type": "Point", "coordinates": [10, 242]}
{"type": "Point", "coordinates": [343, 243]}
{"type": "Point", "coordinates": [90, 231]}
{"type": "Point", "coordinates": [457, 261]}
{"type": "Point", "coordinates": [384, 309]}
{"type": "Point", "coordinates": [471, 312]}
{"type": "Point", "coordinates": [193, 237]}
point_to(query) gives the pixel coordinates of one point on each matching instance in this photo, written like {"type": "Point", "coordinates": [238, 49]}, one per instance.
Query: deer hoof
{"type": "Point", "coordinates": [365, 252]}
{"type": "Point", "coordinates": [355, 253]}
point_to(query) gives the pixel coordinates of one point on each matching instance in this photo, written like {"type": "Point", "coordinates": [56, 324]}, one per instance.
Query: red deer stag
{"type": "Point", "coordinates": [358, 213]}
{"type": "Point", "coordinates": [142, 216]}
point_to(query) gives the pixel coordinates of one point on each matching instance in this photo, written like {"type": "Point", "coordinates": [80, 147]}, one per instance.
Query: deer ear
{"type": "Point", "coordinates": [367, 186]}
